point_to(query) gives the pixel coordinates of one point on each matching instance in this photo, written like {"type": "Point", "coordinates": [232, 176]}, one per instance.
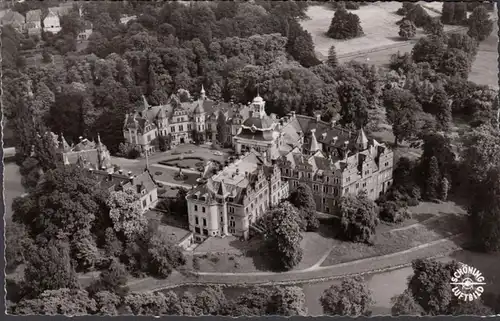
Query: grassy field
{"type": "Point", "coordinates": [437, 221]}
{"type": "Point", "coordinates": [381, 34]}
{"type": "Point", "coordinates": [378, 20]}
{"type": "Point", "coordinates": [12, 186]}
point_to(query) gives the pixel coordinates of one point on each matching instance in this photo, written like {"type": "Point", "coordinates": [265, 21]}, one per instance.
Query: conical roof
{"type": "Point", "coordinates": [314, 142]}
{"type": "Point", "coordinates": [362, 140]}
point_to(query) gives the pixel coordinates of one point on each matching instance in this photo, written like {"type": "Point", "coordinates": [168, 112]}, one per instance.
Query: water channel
{"type": "Point", "coordinates": [385, 285]}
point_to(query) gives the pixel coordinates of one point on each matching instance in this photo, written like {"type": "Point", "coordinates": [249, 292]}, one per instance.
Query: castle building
{"type": "Point", "coordinates": [95, 158]}
{"type": "Point", "coordinates": [275, 156]}
{"type": "Point", "coordinates": [234, 198]}
{"type": "Point", "coordinates": [181, 121]}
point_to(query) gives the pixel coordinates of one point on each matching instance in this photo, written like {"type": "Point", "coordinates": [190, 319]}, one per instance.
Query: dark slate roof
{"type": "Point", "coordinates": [259, 123]}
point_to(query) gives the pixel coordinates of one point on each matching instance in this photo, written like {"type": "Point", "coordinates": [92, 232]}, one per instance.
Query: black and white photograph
{"type": "Point", "coordinates": [251, 158]}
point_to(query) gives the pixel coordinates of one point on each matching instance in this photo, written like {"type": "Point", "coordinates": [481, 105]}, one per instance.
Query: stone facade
{"type": "Point", "coordinates": [180, 121]}
{"type": "Point", "coordinates": [275, 156]}
{"type": "Point", "coordinates": [234, 198]}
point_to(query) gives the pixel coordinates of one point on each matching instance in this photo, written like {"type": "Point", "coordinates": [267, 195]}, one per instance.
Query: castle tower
{"type": "Point", "coordinates": [258, 107]}
{"type": "Point", "coordinates": [314, 142]}
{"type": "Point", "coordinates": [202, 93]}
{"type": "Point", "coordinates": [362, 140]}
{"type": "Point", "coordinates": [221, 195]}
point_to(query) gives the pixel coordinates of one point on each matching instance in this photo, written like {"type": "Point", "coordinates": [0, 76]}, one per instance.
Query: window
{"type": "Point", "coordinates": [357, 185]}
{"type": "Point", "coordinates": [196, 221]}
{"type": "Point", "coordinates": [151, 198]}
{"type": "Point", "coordinates": [232, 231]}
{"type": "Point", "coordinates": [364, 184]}
{"type": "Point", "coordinates": [205, 232]}
{"type": "Point", "coordinates": [315, 187]}
{"type": "Point", "coordinates": [386, 164]}
{"type": "Point", "coordinates": [144, 203]}
{"type": "Point", "coordinates": [231, 209]}
{"type": "Point", "coordinates": [324, 200]}
{"type": "Point", "coordinates": [203, 209]}
{"type": "Point", "coordinates": [231, 218]}
{"type": "Point", "coordinates": [189, 126]}
{"type": "Point", "coordinates": [204, 222]}
{"type": "Point", "coordinates": [181, 128]}
{"type": "Point", "coordinates": [367, 172]}
{"type": "Point", "coordinates": [287, 171]}
{"type": "Point", "coordinates": [232, 224]}
{"type": "Point", "coordinates": [221, 219]}
{"type": "Point", "coordinates": [196, 207]}
{"type": "Point", "coordinates": [309, 175]}
{"type": "Point", "coordinates": [325, 189]}
{"type": "Point", "coordinates": [172, 129]}
{"type": "Point", "coordinates": [197, 230]}
{"type": "Point", "coordinates": [347, 190]}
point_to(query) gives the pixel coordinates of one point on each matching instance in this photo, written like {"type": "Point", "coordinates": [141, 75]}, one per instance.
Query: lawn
{"type": "Point", "coordinates": [437, 221]}
{"type": "Point", "coordinates": [378, 20]}
{"type": "Point", "coordinates": [231, 255]}
{"type": "Point", "coordinates": [163, 174]}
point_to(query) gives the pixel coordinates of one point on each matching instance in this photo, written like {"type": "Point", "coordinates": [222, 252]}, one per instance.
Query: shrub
{"type": "Point", "coordinates": [345, 25]}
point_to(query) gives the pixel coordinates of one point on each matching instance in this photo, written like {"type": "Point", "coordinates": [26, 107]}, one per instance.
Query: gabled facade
{"type": "Point", "coordinates": [180, 121]}
{"type": "Point", "coordinates": [52, 23]}
{"type": "Point", "coordinates": [234, 198]}
{"type": "Point", "coordinates": [34, 22]}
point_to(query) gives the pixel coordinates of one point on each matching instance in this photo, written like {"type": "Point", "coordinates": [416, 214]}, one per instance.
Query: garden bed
{"type": "Point", "coordinates": [186, 162]}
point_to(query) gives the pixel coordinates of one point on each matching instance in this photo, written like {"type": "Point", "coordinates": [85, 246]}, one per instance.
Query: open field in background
{"type": "Point", "coordinates": [378, 20]}
{"type": "Point", "coordinates": [381, 34]}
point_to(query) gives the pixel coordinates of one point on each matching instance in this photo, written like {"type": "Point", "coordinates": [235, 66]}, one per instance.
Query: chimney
{"type": "Point", "coordinates": [318, 117]}
{"type": "Point", "coordinates": [332, 123]}
{"type": "Point", "coordinates": [237, 171]}
{"type": "Point", "coordinates": [335, 139]}
{"type": "Point", "coordinates": [120, 171]}
{"type": "Point", "coordinates": [80, 138]}
{"type": "Point", "coordinates": [293, 114]}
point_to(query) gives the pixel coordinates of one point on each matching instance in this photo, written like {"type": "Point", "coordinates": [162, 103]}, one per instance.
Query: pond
{"type": "Point", "coordinates": [385, 285]}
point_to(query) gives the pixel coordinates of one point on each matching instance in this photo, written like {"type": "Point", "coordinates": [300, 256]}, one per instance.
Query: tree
{"type": "Point", "coordinates": [433, 180]}
{"type": "Point", "coordinates": [152, 303]}
{"type": "Point", "coordinates": [283, 237]}
{"type": "Point", "coordinates": [288, 301]}
{"type": "Point", "coordinates": [485, 210]}
{"type": "Point", "coordinates": [480, 24]}
{"type": "Point", "coordinates": [221, 129]}
{"type": "Point", "coordinates": [164, 255]}
{"type": "Point", "coordinates": [465, 43]}
{"type": "Point", "coordinates": [460, 13]}
{"type": "Point", "coordinates": [46, 56]}
{"type": "Point", "coordinates": [429, 49]}
{"type": "Point", "coordinates": [254, 302]}
{"type": "Point", "coordinates": [475, 308]}
{"type": "Point", "coordinates": [407, 29]}
{"type": "Point", "coordinates": [430, 285]}
{"type": "Point", "coordinates": [455, 62]}
{"type": "Point", "coordinates": [210, 301]}
{"type": "Point", "coordinates": [113, 280]}
{"type": "Point", "coordinates": [17, 241]}
{"type": "Point", "coordinates": [332, 60]}
{"type": "Point", "coordinates": [358, 218]}
{"type": "Point", "coordinates": [107, 303]}
{"type": "Point", "coordinates": [354, 103]}
{"type": "Point", "coordinates": [48, 267]}
{"type": "Point", "coordinates": [402, 113]}
{"type": "Point", "coordinates": [69, 302]}
{"type": "Point", "coordinates": [434, 28]}
{"type": "Point", "coordinates": [444, 188]}
{"type": "Point", "coordinates": [418, 16]}
{"type": "Point", "coordinates": [481, 152]}
{"type": "Point", "coordinates": [126, 214]}
{"type": "Point", "coordinates": [345, 25]}
{"type": "Point", "coordinates": [351, 298]}
{"type": "Point", "coordinates": [448, 13]}
{"type": "Point", "coordinates": [162, 143]}
{"type": "Point", "coordinates": [302, 198]}
{"type": "Point", "coordinates": [441, 108]}
{"type": "Point", "coordinates": [405, 304]}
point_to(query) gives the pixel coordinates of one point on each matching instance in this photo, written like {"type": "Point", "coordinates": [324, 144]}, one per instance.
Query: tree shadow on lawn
{"type": "Point", "coordinates": [397, 39]}
{"type": "Point", "coordinates": [252, 249]}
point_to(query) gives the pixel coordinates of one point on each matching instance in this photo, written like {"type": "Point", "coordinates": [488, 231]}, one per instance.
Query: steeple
{"type": "Point", "coordinates": [314, 142]}
{"type": "Point", "coordinates": [258, 106]}
{"type": "Point", "coordinates": [64, 144]}
{"type": "Point", "coordinates": [362, 140]}
{"type": "Point", "coordinates": [222, 189]}
{"type": "Point", "coordinates": [202, 93]}
{"type": "Point", "coordinates": [145, 102]}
